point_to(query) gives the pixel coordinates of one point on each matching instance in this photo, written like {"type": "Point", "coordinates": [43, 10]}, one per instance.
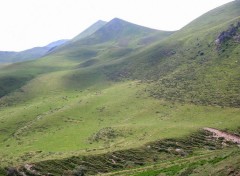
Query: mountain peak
{"type": "Point", "coordinates": [117, 29]}
{"type": "Point", "coordinates": [90, 30]}
{"type": "Point", "coordinates": [100, 21]}
{"type": "Point", "coordinates": [118, 21]}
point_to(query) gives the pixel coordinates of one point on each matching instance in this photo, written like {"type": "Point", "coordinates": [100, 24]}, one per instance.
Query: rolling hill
{"type": "Point", "coordinates": [127, 100]}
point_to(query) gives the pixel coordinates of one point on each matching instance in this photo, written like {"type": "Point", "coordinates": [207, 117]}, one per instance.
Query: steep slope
{"type": "Point", "coordinates": [214, 18]}
{"type": "Point", "coordinates": [116, 39]}
{"type": "Point", "coordinates": [90, 30]}
{"type": "Point", "coordinates": [30, 54]}
{"type": "Point", "coordinates": [121, 31]}
{"type": "Point", "coordinates": [191, 66]}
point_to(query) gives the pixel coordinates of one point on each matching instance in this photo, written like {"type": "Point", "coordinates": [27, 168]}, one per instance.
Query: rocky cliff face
{"type": "Point", "coordinates": [231, 33]}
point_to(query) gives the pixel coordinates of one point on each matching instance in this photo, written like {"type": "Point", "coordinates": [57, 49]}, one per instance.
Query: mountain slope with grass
{"type": "Point", "coordinates": [127, 100]}
{"type": "Point", "coordinates": [121, 31]}
{"type": "Point", "coordinates": [191, 66]}
{"type": "Point", "coordinates": [116, 39]}
{"type": "Point", "coordinates": [75, 54]}
{"type": "Point", "coordinates": [89, 31]}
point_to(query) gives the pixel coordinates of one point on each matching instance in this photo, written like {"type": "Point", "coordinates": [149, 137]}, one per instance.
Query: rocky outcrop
{"type": "Point", "coordinates": [231, 33]}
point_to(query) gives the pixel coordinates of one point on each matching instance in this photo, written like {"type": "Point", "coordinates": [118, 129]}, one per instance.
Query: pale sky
{"type": "Point", "coordinates": [28, 23]}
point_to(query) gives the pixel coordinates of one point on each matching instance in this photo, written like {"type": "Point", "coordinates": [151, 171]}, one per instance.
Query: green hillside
{"type": "Point", "coordinates": [75, 54]}
{"type": "Point", "coordinates": [119, 30]}
{"type": "Point", "coordinates": [127, 90]}
{"type": "Point", "coordinates": [190, 66]}
{"type": "Point", "coordinates": [116, 39]}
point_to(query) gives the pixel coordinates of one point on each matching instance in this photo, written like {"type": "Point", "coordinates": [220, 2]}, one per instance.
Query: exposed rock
{"type": "Point", "coordinates": [238, 25]}
{"type": "Point", "coordinates": [11, 171]}
{"type": "Point", "coordinates": [231, 33]}
{"type": "Point", "coordinates": [237, 38]}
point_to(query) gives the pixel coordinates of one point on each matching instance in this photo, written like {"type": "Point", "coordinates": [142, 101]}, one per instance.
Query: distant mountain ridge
{"type": "Point", "coordinates": [29, 54]}
{"type": "Point", "coordinates": [57, 43]}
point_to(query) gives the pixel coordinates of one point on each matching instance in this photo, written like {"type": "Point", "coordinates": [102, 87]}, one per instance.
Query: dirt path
{"type": "Point", "coordinates": [225, 135]}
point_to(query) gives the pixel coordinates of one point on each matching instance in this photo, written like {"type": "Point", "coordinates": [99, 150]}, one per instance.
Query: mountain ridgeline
{"type": "Point", "coordinates": [89, 31]}
{"type": "Point", "coordinates": [29, 54]}
{"type": "Point", "coordinates": [183, 66]}
{"type": "Point", "coordinates": [104, 97]}
{"type": "Point", "coordinates": [99, 43]}
{"type": "Point", "coordinates": [119, 30]}
{"type": "Point", "coordinates": [115, 39]}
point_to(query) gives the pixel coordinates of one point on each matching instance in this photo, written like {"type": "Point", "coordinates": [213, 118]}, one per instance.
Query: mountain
{"type": "Point", "coordinates": [56, 43]}
{"type": "Point", "coordinates": [118, 29]}
{"type": "Point", "coordinates": [115, 39]}
{"type": "Point", "coordinates": [190, 66]}
{"type": "Point", "coordinates": [127, 100]}
{"type": "Point", "coordinates": [29, 54]}
{"type": "Point", "coordinates": [82, 55]}
{"type": "Point", "coordinates": [89, 31]}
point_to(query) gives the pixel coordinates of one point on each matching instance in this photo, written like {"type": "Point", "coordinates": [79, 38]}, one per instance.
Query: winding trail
{"type": "Point", "coordinates": [225, 135]}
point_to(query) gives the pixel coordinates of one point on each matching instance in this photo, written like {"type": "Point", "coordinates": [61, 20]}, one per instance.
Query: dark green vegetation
{"type": "Point", "coordinates": [118, 89]}
{"type": "Point", "coordinates": [179, 157]}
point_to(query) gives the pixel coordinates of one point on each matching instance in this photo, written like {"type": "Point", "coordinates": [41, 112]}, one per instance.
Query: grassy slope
{"type": "Point", "coordinates": [188, 66]}
{"type": "Point", "coordinates": [170, 156]}
{"type": "Point", "coordinates": [48, 102]}
{"type": "Point", "coordinates": [75, 55]}
{"type": "Point", "coordinates": [62, 121]}
{"type": "Point", "coordinates": [60, 107]}
{"type": "Point", "coordinates": [222, 163]}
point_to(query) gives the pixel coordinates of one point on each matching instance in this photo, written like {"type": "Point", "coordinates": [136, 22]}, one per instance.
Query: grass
{"type": "Point", "coordinates": [127, 92]}
{"type": "Point", "coordinates": [58, 124]}
{"type": "Point", "coordinates": [170, 156]}
{"type": "Point", "coordinates": [202, 166]}
{"type": "Point", "coordinates": [187, 68]}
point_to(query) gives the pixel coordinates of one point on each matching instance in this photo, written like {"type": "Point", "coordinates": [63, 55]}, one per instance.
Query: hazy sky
{"type": "Point", "coordinates": [29, 23]}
